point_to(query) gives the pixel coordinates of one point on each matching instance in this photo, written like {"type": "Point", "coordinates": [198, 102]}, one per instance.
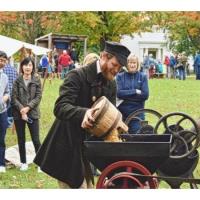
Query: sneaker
{"type": "Point", "coordinates": [2, 169]}
{"type": "Point", "coordinates": [39, 170]}
{"type": "Point", "coordinates": [24, 167]}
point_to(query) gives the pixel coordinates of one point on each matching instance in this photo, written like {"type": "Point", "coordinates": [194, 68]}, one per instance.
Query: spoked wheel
{"type": "Point", "coordinates": [146, 125]}
{"type": "Point", "coordinates": [121, 175]}
{"type": "Point", "coordinates": [184, 141]}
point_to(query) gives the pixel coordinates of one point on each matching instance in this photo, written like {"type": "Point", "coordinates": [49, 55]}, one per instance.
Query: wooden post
{"type": "Point", "coordinates": [44, 79]}
{"type": "Point", "coordinates": [85, 47]}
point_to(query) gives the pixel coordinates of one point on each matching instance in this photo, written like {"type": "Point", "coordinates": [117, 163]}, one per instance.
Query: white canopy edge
{"type": "Point", "coordinates": [11, 46]}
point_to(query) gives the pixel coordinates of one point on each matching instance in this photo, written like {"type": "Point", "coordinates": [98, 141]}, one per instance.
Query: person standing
{"type": "Point", "coordinates": [146, 65]}
{"type": "Point", "coordinates": [90, 58]}
{"type": "Point", "coordinates": [44, 63]}
{"type": "Point", "coordinates": [172, 66]}
{"type": "Point", "coordinates": [55, 61]}
{"type": "Point", "coordinates": [197, 66]}
{"type": "Point", "coordinates": [181, 65]}
{"type": "Point", "coordinates": [133, 91]}
{"type": "Point", "coordinates": [4, 100]}
{"type": "Point", "coordinates": [12, 74]}
{"type": "Point", "coordinates": [62, 153]}
{"type": "Point", "coordinates": [74, 55]}
{"type": "Point", "coordinates": [64, 60]}
{"type": "Point", "coordinates": [167, 64]}
{"type": "Point", "coordinates": [25, 100]}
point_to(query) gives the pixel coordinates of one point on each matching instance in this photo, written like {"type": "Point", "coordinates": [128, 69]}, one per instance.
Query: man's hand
{"type": "Point", "coordinates": [88, 119]}
{"type": "Point", "coordinates": [138, 91]}
{"type": "Point", "coordinates": [5, 98]}
{"type": "Point", "coordinates": [24, 110]}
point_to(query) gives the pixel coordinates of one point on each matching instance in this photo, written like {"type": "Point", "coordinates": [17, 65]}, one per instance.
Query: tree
{"type": "Point", "coordinates": [27, 26]}
{"type": "Point", "coordinates": [7, 24]}
{"type": "Point", "coordinates": [102, 25]}
{"type": "Point", "coordinates": [183, 29]}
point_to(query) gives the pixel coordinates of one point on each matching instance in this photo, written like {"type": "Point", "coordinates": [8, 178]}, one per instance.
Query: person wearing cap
{"type": "Point", "coordinates": [133, 91]}
{"type": "Point", "coordinates": [4, 99]}
{"type": "Point", "coordinates": [61, 154]}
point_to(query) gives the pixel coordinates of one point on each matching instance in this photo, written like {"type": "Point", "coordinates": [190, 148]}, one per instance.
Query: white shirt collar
{"type": "Point", "coordinates": [98, 67]}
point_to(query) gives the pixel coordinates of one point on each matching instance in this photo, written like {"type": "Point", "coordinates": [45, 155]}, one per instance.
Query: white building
{"type": "Point", "coordinates": [146, 43]}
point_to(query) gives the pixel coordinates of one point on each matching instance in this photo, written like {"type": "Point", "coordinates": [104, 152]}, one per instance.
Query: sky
{"type": "Point", "coordinates": [95, 5]}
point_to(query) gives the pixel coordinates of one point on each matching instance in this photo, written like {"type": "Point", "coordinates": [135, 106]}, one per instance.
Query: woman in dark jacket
{"type": "Point", "coordinates": [26, 96]}
{"type": "Point", "coordinates": [132, 91]}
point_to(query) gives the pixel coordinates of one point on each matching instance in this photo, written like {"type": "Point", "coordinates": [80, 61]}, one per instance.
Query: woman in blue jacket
{"type": "Point", "coordinates": [132, 90]}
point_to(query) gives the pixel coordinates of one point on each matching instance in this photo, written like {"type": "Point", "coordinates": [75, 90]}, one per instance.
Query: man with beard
{"type": "Point", "coordinates": [61, 155]}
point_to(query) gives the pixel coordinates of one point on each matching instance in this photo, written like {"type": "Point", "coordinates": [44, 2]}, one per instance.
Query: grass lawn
{"type": "Point", "coordinates": [165, 96]}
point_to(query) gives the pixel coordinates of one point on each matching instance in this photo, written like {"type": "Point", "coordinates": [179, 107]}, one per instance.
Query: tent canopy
{"type": "Point", "coordinates": [11, 46]}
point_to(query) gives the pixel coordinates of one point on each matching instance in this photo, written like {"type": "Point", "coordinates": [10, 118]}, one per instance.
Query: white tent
{"type": "Point", "coordinates": [11, 46]}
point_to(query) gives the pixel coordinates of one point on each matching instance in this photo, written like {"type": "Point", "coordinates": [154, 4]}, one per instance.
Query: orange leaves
{"type": "Point", "coordinates": [7, 16]}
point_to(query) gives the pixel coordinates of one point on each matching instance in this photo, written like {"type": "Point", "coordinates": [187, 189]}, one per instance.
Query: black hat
{"type": "Point", "coordinates": [117, 50]}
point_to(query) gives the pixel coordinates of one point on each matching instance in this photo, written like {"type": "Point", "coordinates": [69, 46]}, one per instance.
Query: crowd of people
{"type": "Point", "coordinates": [175, 66]}
{"type": "Point", "coordinates": [53, 64]}
{"type": "Point", "coordinates": [20, 96]}
{"type": "Point", "coordinates": [115, 73]}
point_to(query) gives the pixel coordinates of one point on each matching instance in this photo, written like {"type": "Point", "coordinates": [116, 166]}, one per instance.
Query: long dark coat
{"type": "Point", "coordinates": [61, 155]}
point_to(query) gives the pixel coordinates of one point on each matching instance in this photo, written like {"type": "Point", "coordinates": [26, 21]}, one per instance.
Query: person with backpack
{"type": "Point", "coordinates": [181, 65]}
{"type": "Point", "coordinates": [172, 61]}
{"type": "Point", "coordinates": [44, 63]}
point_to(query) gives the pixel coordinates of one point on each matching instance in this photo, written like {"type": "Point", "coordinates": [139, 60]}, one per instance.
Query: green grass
{"type": "Point", "coordinates": [165, 96]}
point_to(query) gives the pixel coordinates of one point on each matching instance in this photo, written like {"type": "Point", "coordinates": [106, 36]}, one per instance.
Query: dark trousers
{"type": "Point", "coordinates": [197, 72]}
{"type": "Point", "coordinates": [34, 131]}
{"type": "Point", "coordinates": [44, 71]}
{"type": "Point", "coordinates": [10, 117]}
{"type": "Point", "coordinates": [3, 127]}
{"type": "Point", "coordinates": [134, 126]}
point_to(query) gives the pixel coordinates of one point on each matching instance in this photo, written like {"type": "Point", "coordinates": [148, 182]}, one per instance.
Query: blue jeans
{"type": "Point", "coordinates": [65, 70]}
{"type": "Point", "coordinates": [134, 125]}
{"type": "Point", "coordinates": [10, 117]}
{"type": "Point", "coordinates": [3, 127]}
{"type": "Point", "coordinates": [181, 72]}
{"type": "Point", "coordinates": [197, 72]}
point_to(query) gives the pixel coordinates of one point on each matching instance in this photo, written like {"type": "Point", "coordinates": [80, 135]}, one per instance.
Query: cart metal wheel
{"type": "Point", "coordinates": [146, 126]}
{"type": "Point", "coordinates": [118, 175]}
{"type": "Point", "coordinates": [184, 139]}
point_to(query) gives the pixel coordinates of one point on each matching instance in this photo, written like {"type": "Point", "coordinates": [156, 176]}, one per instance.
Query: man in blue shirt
{"type": "Point", "coordinates": [4, 98]}
{"type": "Point", "coordinates": [12, 74]}
{"type": "Point", "coordinates": [197, 66]}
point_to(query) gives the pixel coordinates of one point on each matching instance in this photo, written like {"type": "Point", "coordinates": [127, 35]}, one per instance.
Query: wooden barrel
{"type": "Point", "coordinates": [107, 118]}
